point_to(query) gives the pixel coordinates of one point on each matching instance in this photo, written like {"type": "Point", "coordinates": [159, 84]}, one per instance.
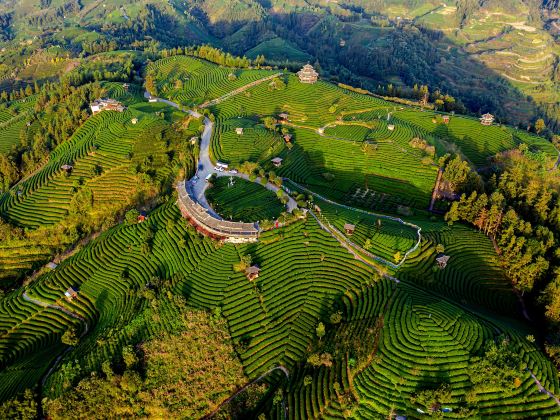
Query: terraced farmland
{"type": "Point", "coordinates": [14, 120]}
{"type": "Point", "coordinates": [99, 151]}
{"type": "Point", "coordinates": [356, 339]}
{"type": "Point", "coordinates": [244, 201]}
{"type": "Point", "coordinates": [192, 81]}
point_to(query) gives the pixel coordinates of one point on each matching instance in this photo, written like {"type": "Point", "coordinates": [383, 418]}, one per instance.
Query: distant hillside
{"type": "Point", "coordinates": [497, 56]}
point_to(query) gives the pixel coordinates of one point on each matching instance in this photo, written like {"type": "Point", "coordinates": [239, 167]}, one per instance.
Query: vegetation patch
{"type": "Point", "coordinates": [240, 200]}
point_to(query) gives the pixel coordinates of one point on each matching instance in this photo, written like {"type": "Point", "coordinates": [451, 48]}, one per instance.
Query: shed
{"type": "Point", "coordinates": [277, 161]}
{"type": "Point", "coordinates": [71, 293]}
{"type": "Point", "coordinates": [349, 228]}
{"type": "Point", "coordinates": [441, 260]}
{"type": "Point", "coordinates": [141, 217]}
{"type": "Point", "coordinates": [239, 131]}
{"type": "Point", "coordinates": [252, 272]}
{"type": "Point", "coordinates": [390, 127]}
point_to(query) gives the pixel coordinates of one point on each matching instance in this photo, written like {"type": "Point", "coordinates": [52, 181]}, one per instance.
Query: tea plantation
{"type": "Point", "coordinates": [241, 200]}
{"type": "Point", "coordinates": [358, 338]}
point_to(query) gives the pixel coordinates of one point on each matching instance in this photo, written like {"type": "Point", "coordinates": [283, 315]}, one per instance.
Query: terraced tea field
{"type": "Point", "coordinates": [100, 153]}
{"type": "Point", "coordinates": [244, 201]}
{"type": "Point", "coordinates": [354, 339]}
{"type": "Point", "coordinates": [192, 81]}
{"type": "Point", "coordinates": [14, 118]}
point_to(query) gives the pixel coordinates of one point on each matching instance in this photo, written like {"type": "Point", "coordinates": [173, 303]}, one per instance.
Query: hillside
{"type": "Point", "coordinates": [352, 313]}
{"type": "Point", "coordinates": [490, 56]}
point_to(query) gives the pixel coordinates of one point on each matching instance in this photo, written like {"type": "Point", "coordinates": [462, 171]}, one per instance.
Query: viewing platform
{"type": "Point", "coordinates": [210, 225]}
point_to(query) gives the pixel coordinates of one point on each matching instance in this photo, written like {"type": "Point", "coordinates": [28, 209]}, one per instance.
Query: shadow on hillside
{"type": "Point", "coordinates": [372, 55]}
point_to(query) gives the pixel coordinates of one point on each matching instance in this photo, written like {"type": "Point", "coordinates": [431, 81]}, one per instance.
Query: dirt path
{"type": "Point", "coordinates": [381, 216]}
{"type": "Point", "coordinates": [58, 308]}
{"type": "Point", "coordinates": [543, 389]}
{"type": "Point", "coordinates": [346, 244]}
{"type": "Point", "coordinates": [238, 91]}
{"type": "Point", "coordinates": [436, 189]}
{"type": "Point", "coordinates": [244, 387]}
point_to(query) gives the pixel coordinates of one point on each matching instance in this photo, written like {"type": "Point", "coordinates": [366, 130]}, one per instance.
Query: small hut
{"type": "Point", "coordinates": [239, 131]}
{"type": "Point", "coordinates": [142, 217]}
{"type": "Point", "coordinates": [134, 121]}
{"type": "Point", "coordinates": [194, 140]}
{"type": "Point", "coordinates": [67, 168]}
{"type": "Point", "coordinates": [152, 99]}
{"type": "Point", "coordinates": [445, 119]}
{"type": "Point", "coordinates": [441, 260]}
{"type": "Point", "coordinates": [308, 74]}
{"type": "Point", "coordinates": [349, 228]}
{"type": "Point", "coordinates": [277, 161]}
{"type": "Point", "coordinates": [71, 294]}
{"type": "Point", "coordinates": [283, 116]}
{"type": "Point", "coordinates": [342, 43]}
{"type": "Point", "coordinates": [125, 86]}
{"type": "Point", "coordinates": [252, 272]}
{"type": "Point", "coordinates": [487, 119]}
{"type": "Point", "coordinates": [288, 138]}
{"type": "Point", "coordinates": [391, 127]}
{"type": "Point", "coordinates": [52, 265]}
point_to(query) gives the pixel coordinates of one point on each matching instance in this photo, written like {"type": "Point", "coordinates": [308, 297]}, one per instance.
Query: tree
{"type": "Point", "coordinates": [540, 125]}
{"type": "Point", "coordinates": [131, 216]}
{"type": "Point", "coordinates": [70, 337]}
{"type": "Point", "coordinates": [129, 357]}
{"type": "Point", "coordinates": [336, 317]}
{"type": "Point", "coordinates": [320, 330]}
{"type": "Point", "coordinates": [23, 407]}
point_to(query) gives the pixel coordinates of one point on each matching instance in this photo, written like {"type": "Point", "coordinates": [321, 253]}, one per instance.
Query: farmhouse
{"type": "Point", "coordinates": [445, 119]}
{"type": "Point", "coordinates": [277, 161]}
{"type": "Point", "coordinates": [442, 260]}
{"type": "Point", "coordinates": [487, 119]}
{"type": "Point", "coordinates": [308, 74]}
{"type": "Point", "coordinates": [252, 272]}
{"type": "Point", "coordinates": [239, 131]}
{"type": "Point", "coordinates": [71, 294]}
{"type": "Point", "coordinates": [349, 228]}
{"type": "Point", "coordinates": [106, 104]}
